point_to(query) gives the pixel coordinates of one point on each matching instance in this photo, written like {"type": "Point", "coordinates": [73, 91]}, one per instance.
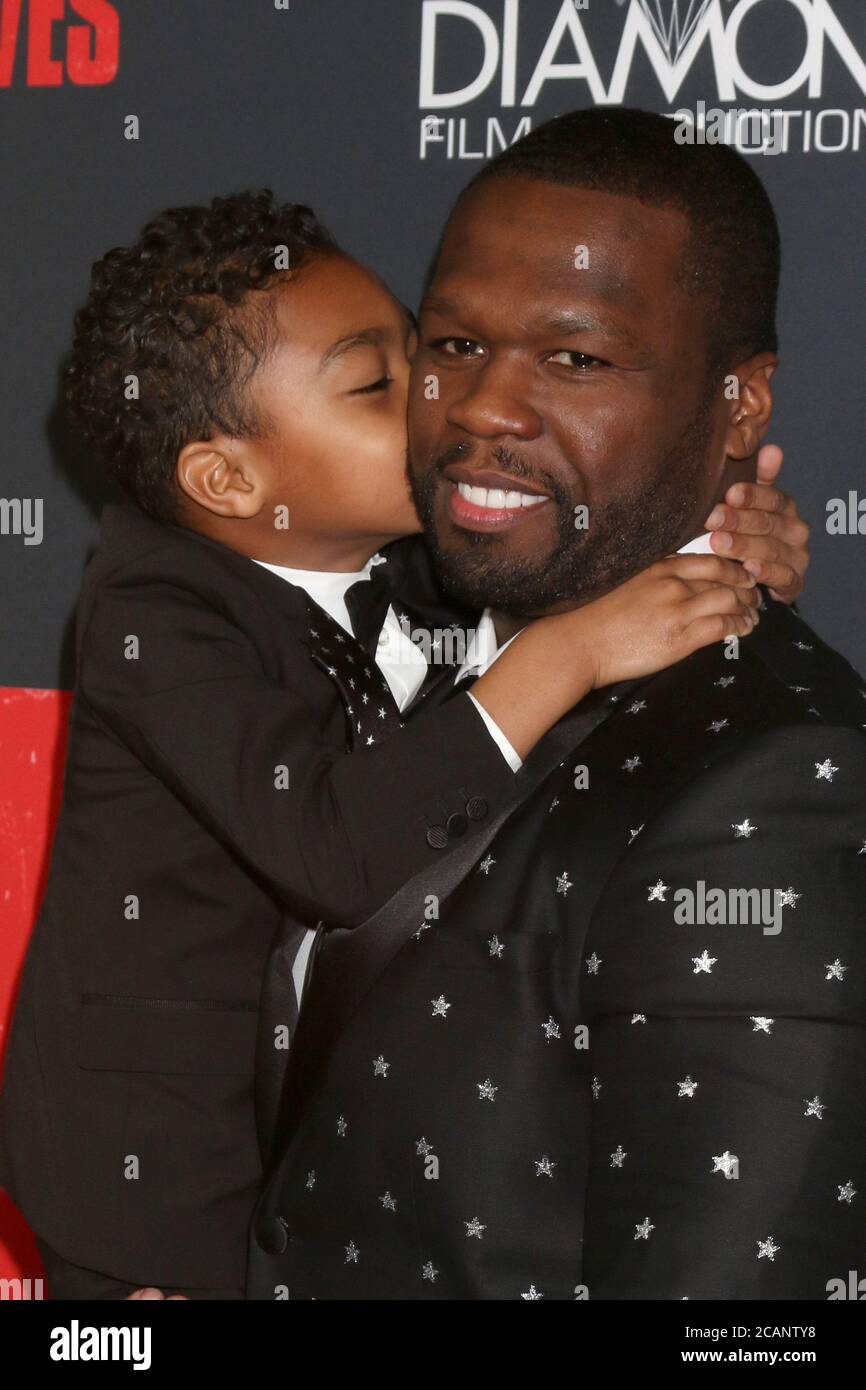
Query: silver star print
{"type": "Point", "coordinates": [824, 771]}
{"type": "Point", "coordinates": [836, 970]}
{"type": "Point", "coordinates": [596, 1088]}
{"type": "Point", "coordinates": [423, 1147]}
{"type": "Point", "coordinates": [311, 1179]}
{"type": "Point", "coordinates": [800, 689]}
{"type": "Point", "coordinates": [351, 1253]}
{"type": "Point", "coordinates": [724, 1163]}
{"type": "Point", "coordinates": [847, 1192]}
{"type": "Point", "coordinates": [787, 897]}
{"type": "Point", "coordinates": [532, 1294]}
{"type": "Point", "coordinates": [554, 803]}
{"type": "Point", "coordinates": [381, 712]}
{"type": "Point", "coordinates": [744, 829]}
{"type": "Point", "coordinates": [370, 739]}
{"type": "Point", "coordinates": [342, 1127]}
{"type": "Point", "coordinates": [638, 1018]}
{"type": "Point", "coordinates": [486, 864]}
{"type": "Point", "coordinates": [767, 1249]}
{"type": "Point", "coordinates": [642, 1231]}
{"type": "Point", "coordinates": [365, 699]}
{"type": "Point", "coordinates": [380, 1066]}
{"type": "Point", "coordinates": [428, 1272]}
{"type": "Point", "coordinates": [716, 726]}
{"type": "Point", "coordinates": [633, 834]}
{"type": "Point", "coordinates": [593, 964]}
{"type": "Point", "coordinates": [636, 706]}
{"type": "Point", "coordinates": [630, 764]}
{"type": "Point", "coordinates": [815, 1107]}
{"type": "Point", "coordinates": [544, 1166]}
{"type": "Point", "coordinates": [656, 894]}
{"type": "Point", "coordinates": [725, 681]}
{"type": "Point", "coordinates": [703, 963]}
{"type": "Point", "coordinates": [474, 1228]}
{"type": "Point", "coordinates": [863, 850]}
{"type": "Point", "coordinates": [618, 1156]}
{"type": "Point", "coordinates": [551, 1029]}
{"type": "Point", "coordinates": [440, 1007]}
{"type": "Point", "coordinates": [486, 1090]}
{"type": "Point", "coordinates": [762, 1024]}
{"type": "Point", "coordinates": [425, 926]}
{"type": "Point", "coordinates": [687, 1088]}
{"type": "Point", "coordinates": [804, 646]}
{"type": "Point", "coordinates": [388, 1202]}
{"type": "Point", "coordinates": [563, 884]}
{"type": "Point", "coordinates": [496, 946]}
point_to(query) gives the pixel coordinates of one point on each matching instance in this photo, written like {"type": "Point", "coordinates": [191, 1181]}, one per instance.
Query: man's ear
{"type": "Point", "coordinates": [752, 407]}
{"type": "Point", "coordinates": [218, 475]}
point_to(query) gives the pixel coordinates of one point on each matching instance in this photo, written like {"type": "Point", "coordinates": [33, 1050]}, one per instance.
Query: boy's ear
{"type": "Point", "coordinates": [750, 411]}
{"type": "Point", "coordinates": [219, 477]}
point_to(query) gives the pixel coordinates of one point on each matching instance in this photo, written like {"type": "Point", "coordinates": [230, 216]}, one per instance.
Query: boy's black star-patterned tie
{"type": "Point", "coordinates": [371, 709]}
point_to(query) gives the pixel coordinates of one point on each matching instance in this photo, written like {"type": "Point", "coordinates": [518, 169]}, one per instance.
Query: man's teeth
{"type": "Point", "coordinates": [496, 500]}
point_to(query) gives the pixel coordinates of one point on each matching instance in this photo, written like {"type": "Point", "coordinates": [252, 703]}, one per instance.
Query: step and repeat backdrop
{"type": "Point", "coordinates": [376, 112]}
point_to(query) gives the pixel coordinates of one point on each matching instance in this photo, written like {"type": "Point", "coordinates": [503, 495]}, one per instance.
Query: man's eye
{"type": "Point", "coordinates": [381, 385]}
{"type": "Point", "coordinates": [458, 347]}
{"type": "Point", "coordinates": [581, 361]}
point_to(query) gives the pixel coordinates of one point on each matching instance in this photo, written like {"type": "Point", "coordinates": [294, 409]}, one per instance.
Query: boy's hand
{"type": "Point", "coordinates": [761, 526]}
{"type": "Point", "coordinates": [142, 1294]}
{"type": "Point", "coordinates": [664, 614]}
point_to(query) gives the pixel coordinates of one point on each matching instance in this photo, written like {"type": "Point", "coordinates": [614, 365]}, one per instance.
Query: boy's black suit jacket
{"type": "Point", "coordinates": [558, 1089]}
{"type": "Point", "coordinates": [128, 1128]}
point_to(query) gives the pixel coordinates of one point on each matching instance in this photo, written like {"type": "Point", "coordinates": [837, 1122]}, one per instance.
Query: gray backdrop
{"type": "Point", "coordinates": [326, 102]}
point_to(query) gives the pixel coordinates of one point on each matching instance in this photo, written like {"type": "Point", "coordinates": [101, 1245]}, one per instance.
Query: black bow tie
{"type": "Point", "coordinates": [368, 601]}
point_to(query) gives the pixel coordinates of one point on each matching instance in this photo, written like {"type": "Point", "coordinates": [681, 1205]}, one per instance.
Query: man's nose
{"type": "Point", "coordinates": [495, 401]}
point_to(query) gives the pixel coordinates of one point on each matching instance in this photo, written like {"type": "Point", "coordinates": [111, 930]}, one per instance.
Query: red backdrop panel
{"type": "Point", "coordinates": [33, 726]}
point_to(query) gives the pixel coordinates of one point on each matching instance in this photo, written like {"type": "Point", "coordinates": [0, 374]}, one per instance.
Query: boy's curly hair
{"type": "Point", "coordinates": [171, 334]}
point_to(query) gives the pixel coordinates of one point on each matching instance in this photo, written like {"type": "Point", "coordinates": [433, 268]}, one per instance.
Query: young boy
{"type": "Point", "coordinates": [237, 770]}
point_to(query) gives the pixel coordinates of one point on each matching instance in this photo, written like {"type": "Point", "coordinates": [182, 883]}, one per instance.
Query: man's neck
{"type": "Point", "coordinates": [507, 625]}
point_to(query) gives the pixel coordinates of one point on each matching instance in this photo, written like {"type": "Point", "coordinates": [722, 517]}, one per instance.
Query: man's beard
{"type": "Point", "coordinates": [622, 538]}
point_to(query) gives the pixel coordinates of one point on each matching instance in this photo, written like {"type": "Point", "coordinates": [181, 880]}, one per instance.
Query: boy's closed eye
{"type": "Point", "coordinates": [381, 385]}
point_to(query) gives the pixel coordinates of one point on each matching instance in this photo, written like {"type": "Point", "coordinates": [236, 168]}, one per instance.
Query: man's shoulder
{"type": "Point", "coordinates": [794, 658]}
{"type": "Point", "coordinates": [789, 716]}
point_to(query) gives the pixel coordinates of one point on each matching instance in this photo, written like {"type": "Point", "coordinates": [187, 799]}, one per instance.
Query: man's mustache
{"type": "Point", "coordinates": [507, 460]}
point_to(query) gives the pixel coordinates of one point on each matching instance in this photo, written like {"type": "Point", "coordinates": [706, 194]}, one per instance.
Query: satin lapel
{"type": "Point", "coordinates": [351, 960]}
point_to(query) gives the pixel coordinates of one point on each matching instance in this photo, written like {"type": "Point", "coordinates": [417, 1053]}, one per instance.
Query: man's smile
{"type": "Point", "coordinates": [489, 501]}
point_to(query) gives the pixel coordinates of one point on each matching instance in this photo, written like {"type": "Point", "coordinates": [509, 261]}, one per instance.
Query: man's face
{"type": "Point", "coordinates": [574, 379]}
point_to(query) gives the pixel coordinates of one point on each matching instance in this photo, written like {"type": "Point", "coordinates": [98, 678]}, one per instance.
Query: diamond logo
{"type": "Point", "coordinates": [674, 21]}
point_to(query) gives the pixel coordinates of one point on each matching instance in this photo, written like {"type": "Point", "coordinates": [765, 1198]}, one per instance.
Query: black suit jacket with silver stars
{"type": "Point", "coordinates": [557, 1089]}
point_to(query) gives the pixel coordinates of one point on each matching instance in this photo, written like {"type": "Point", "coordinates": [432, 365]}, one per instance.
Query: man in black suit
{"type": "Point", "coordinates": [616, 1049]}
